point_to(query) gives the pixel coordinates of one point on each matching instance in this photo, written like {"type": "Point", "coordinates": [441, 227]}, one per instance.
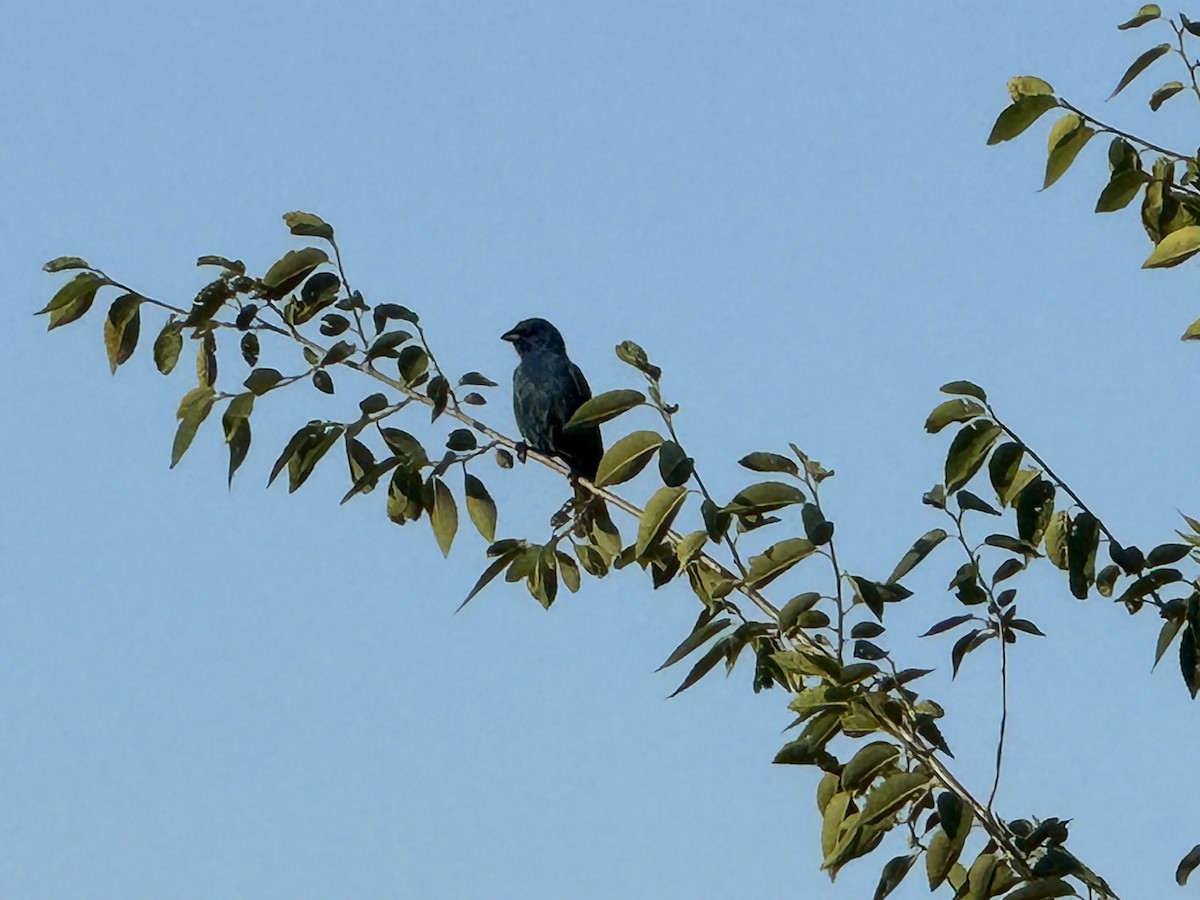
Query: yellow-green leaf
{"type": "Point", "coordinates": [656, 519]}
{"type": "Point", "coordinates": [979, 876]}
{"type": "Point", "coordinates": [1067, 137]}
{"type": "Point", "coordinates": [1163, 94]}
{"type": "Point", "coordinates": [121, 327]}
{"type": "Point", "coordinates": [1121, 189]}
{"type": "Point", "coordinates": [72, 300]}
{"type": "Point", "coordinates": [1192, 333]}
{"type": "Point", "coordinates": [1019, 116]}
{"type": "Point", "coordinates": [627, 457]}
{"type": "Point", "coordinates": [1138, 66]}
{"type": "Point", "coordinates": [605, 406]}
{"type": "Point", "coordinates": [308, 225]}
{"type": "Point", "coordinates": [481, 508]}
{"type": "Point", "coordinates": [952, 411]}
{"type": "Point", "coordinates": [1027, 86]}
{"type": "Point", "coordinates": [443, 514]}
{"type": "Point", "coordinates": [193, 409]}
{"type": "Point", "coordinates": [895, 792]}
{"type": "Point", "coordinates": [1175, 248]}
{"type": "Point", "coordinates": [292, 268]}
{"type": "Point", "coordinates": [968, 451]}
{"type": "Point", "coordinates": [168, 345]}
{"type": "Point", "coordinates": [948, 840]}
{"type": "Point", "coordinates": [765, 496]}
{"type": "Point", "coordinates": [866, 765]}
{"type": "Point", "coordinates": [1147, 13]}
{"type": "Point", "coordinates": [776, 560]}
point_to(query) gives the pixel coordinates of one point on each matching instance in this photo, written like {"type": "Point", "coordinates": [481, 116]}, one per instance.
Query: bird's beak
{"type": "Point", "coordinates": [510, 336]}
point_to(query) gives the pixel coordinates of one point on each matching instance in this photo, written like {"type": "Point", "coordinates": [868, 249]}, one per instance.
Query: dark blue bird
{"type": "Point", "coordinates": [547, 389]}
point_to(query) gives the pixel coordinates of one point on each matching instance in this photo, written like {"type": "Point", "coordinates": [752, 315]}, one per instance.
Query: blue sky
{"type": "Point", "coordinates": [245, 694]}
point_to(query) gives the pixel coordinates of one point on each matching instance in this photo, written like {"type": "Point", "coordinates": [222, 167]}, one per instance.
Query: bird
{"type": "Point", "coordinates": [547, 390]}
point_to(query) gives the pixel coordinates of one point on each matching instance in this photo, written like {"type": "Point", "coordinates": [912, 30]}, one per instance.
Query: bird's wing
{"type": "Point", "coordinates": [581, 385]}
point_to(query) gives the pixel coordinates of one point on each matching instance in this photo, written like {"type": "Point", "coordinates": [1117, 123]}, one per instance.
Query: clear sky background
{"type": "Point", "coordinates": [242, 694]}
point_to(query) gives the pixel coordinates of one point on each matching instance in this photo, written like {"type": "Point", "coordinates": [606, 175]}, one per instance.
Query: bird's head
{"type": "Point", "coordinates": [534, 334]}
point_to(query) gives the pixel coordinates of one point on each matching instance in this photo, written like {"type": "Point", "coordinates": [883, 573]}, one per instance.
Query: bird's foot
{"type": "Point", "coordinates": [522, 449]}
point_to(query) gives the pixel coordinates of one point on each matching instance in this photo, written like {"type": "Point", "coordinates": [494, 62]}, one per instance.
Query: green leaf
{"type": "Point", "coordinates": [481, 508]}
{"type": "Point", "coordinates": [789, 616]}
{"type": "Point", "coordinates": [1027, 86]}
{"type": "Point", "coordinates": [1165, 93]}
{"type": "Point", "coordinates": [249, 348]}
{"type": "Point", "coordinates": [867, 764]}
{"type": "Point", "coordinates": [776, 560]}
{"type": "Point", "coordinates": [121, 327]}
{"type": "Point", "coordinates": [1003, 467]}
{"type": "Point", "coordinates": [706, 663]}
{"type": "Point", "coordinates": [1067, 137]}
{"type": "Point", "coordinates": [627, 457]}
{"type": "Point", "coordinates": [893, 873]}
{"type": "Point", "coordinates": [236, 424]}
{"type": "Point", "coordinates": [1149, 583]}
{"type": "Point", "coordinates": [947, 624]}
{"type": "Point", "coordinates": [193, 409]}
{"type": "Point", "coordinates": [439, 392]}
{"type": "Point", "coordinates": [1187, 865]}
{"type": "Point", "coordinates": [461, 440]}
{"type": "Point", "coordinates": [386, 344]}
{"type": "Point", "coordinates": [1081, 553]}
{"type": "Point", "coordinates": [1016, 118]}
{"type": "Point", "coordinates": [443, 513]}
{"type": "Point", "coordinates": [309, 453]}
{"type": "Point", "coordinates": [495, 568]}
{"type": "Point", "coordinates": [1176, 247]}
{"type": "Point", "coordinates": [405, 499]}
{"type": "Point", "coordinates": [260, 381]}
{"type": "Point", "coordinates": [322, 381]}
{"type": "Point", "coordinates": [894, 794]}
{"type": "Point", "coordinates": [64, 263]}
{"type": "Point", "coordinates": [1192, 333]}
{"type": "Point", "coordinates": [476, 379]}
{"type": "Point", "coordinates": [208, 301]}
{"type": "Point", "coordinates": [412, 364]}
{"type": "Point", "coordinates": [968, 451]}
{"type": "Point", "coordinates": [605, 406]}
{"type": "Point", "coordinates": [964, 388]}
{"type": "Point", "coordinates": [1121, 189]}
{"type": "Point", "coordinates": [630, 353]}
{"type": "Point", "coordinates": [307, 224]}
{"type": "Point", "coordinates": [919, 551]}
{"type": "Point", "coordinates": [688, 548]}
{"type": "Point", "coordinates": [1147, 13]}
{"type": "Point", "coordinates": [339, 352]}
{"type": "Point", "coordinates": [948, 840]}
{"type": "Point", "coordinates": [765, 496]}
{"type": "Point", "coordinates": [319, 293]}
{"type": "Point", "coordinates": [817, 528]}
{"type": "Point", "coordinates": [231, 265]}
{"type": "Point", "coordinates": [72, 300]}
{"type": "Point", "coordinates": [674, 466]}
{"type": "Point", "coordinates": [1138, 66]}
{"type": "Point", "coordinates": [979, 878]}
{"type": "Point", "coordinates": [1165, 554]}
{"type": "Point", "coordinates": [168, 345]}
{"type": "Point", "coordinates": [1034, 506]}
{"type": "Point", "coordinates": [952, 411]}
{"type": "Point", "coordinates": [968, 501]}
{"type": "Point", "coordinates": [769, 462]}
{"type": "Point", "coordinates": [291, 269]}
{"type": "Point", "coordinates": [656, 519]}
{"type": "Point", "coordinates": [1055, 539]}
{"type": "Point", "coordinates": [294, 443]}
{"type": "Point", "coordinates": [700, 636]}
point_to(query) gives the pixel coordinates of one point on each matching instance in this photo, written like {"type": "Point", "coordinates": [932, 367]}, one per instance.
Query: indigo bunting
{"type": "Point", "coordinates": [547, 389]}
